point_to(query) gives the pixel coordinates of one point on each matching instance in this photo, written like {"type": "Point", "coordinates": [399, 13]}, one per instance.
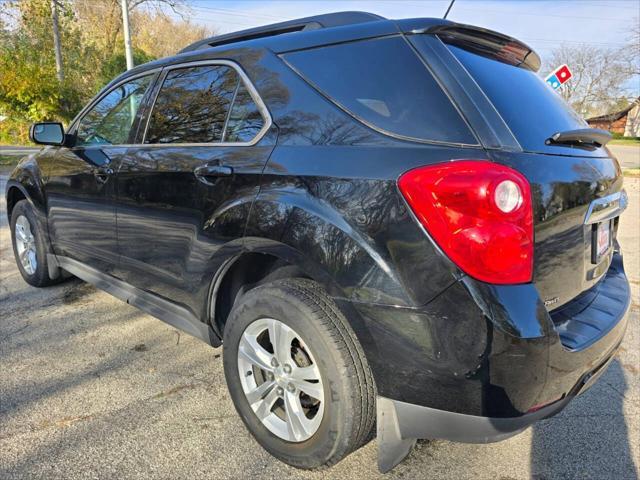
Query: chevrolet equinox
{"type": "Point", "coordinates": [386, 222]}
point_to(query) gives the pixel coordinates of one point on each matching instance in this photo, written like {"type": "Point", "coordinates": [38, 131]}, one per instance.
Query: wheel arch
{"type": "Point", "coordinates": [260, 262]}
{"type": "Point", "coordinates": [15, 193]}
{"type": "Point", "coordinates": [25, 183]}
{"type": "Point", "coordinates": [333, 240]}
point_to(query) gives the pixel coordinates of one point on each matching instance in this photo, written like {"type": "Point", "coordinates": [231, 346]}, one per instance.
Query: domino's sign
{"type": "Point", "coordinates": [558, 77]}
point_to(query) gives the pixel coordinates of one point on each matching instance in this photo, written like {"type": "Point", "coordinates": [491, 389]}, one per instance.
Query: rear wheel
{"type": "Point", "coordinates": [297, 375]}
{"type": "Point", "coordinates": [30, 245]}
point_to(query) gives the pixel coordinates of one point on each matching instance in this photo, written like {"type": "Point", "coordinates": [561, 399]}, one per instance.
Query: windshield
{"type": "Point", "coordinates": [531, 109]}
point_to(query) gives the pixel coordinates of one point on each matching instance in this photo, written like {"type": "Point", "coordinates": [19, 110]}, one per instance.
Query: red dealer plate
{"type": "Point", "coordinates": [602, 239]}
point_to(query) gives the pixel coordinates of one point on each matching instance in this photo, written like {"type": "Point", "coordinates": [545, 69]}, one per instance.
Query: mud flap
{"type": "Point", "coordinates": [53, 267]}
{"type": "Point", "coordinates": [392, 448]}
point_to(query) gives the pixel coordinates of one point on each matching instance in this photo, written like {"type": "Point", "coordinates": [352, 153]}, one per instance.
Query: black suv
{"type": "Point", "coordinates": [377, 217]}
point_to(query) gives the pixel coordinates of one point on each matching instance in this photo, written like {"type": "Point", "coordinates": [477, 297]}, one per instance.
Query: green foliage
{"type": "Point", "coordinates": [29, 88]}
{"type": "Point", "coordinates": [117, 64]}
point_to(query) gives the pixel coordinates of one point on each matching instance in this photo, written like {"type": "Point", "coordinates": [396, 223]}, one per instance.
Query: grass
{"type": "Point", "coordinates": [8, 160]}
{"type": "Point", "coordinates": [631, 172]}
{"type": "Point", "coordinates": [631, 141]}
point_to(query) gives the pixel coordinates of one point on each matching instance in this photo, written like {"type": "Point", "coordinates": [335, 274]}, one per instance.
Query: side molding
{"type": "Point", "coordinates": [167, 311]}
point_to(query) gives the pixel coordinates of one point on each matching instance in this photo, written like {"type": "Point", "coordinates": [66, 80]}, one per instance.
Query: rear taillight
{"type": "Point", "coordinates": [479, 213]}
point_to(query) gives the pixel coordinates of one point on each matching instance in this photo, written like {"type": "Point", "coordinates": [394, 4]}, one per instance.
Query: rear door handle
{"type": "Point", "coordinates": [208, 173]}
{"type": "Point", "coordinates": [103, 173]}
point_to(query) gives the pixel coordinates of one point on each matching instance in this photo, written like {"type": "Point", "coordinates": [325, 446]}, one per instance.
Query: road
{"type": "Point", "coordinates": [627, 155]}
{"type": "Point", "coordinates": [92, 388]}
{"type": "Point", "coordinates": [17, 151]}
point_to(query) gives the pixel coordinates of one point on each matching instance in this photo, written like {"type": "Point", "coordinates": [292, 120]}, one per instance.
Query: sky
{"type": "Point", "coordinates": [542, 24]}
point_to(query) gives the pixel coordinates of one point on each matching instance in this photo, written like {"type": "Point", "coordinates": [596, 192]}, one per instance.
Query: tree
{"type": "Point", "coordinates": [161, 35]}
{"type": "Point", "coordinates": [599, 77]}
{"type": "Point", "coordinates": [633, 48]}
{"type": "Point", "coordinates": [90, 35]}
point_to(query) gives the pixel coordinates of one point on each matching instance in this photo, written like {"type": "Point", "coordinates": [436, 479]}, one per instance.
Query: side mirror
{"type": "Point", "coordinates": [47, 133]}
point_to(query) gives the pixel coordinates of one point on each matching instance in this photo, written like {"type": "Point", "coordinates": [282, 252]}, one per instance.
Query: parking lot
{"type": "Point", "coordinates": [92, 388]}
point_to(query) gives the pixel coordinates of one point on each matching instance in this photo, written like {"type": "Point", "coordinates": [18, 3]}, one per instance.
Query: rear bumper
{"type": "Point", "coordinates": [400, 424]}
{"type": "Point", "coordinates": [481, 362]}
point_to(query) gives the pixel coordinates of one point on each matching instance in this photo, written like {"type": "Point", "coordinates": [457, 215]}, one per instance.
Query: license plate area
{"type": "Point", "coordinates": [601, 235]}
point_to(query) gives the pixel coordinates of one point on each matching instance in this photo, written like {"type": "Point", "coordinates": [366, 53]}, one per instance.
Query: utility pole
{"type": "Point", "coordinates": [127, 34]}
{"type": "Point", "coordinates": [56, 40]}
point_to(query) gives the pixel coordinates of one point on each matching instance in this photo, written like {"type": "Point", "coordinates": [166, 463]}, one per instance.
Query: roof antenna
{"type": "Point", "coordinates": [449, 9]}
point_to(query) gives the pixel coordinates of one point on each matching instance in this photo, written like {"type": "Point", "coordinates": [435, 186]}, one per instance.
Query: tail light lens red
{"type": "Point", "coordinates": [480, 215]}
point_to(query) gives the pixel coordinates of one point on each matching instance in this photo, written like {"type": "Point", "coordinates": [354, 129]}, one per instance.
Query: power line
{"type": "Point", "coordinates": [511, 12]}
{"type": "Point", "coordinates": [227, 11]}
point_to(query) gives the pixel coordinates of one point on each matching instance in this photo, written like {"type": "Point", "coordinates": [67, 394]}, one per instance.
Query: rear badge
{"type": "Point", "coordinates": [551, 301]}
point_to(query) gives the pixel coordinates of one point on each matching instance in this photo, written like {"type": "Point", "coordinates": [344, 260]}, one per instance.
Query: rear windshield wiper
{"type": "Point", "coordinates": [582, 137]}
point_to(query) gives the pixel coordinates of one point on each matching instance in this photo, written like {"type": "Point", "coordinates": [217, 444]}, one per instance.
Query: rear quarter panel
{"type": "Point", "coordinates": [328, 195]}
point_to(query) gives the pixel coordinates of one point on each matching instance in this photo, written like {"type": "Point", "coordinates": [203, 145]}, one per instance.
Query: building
{"type": "Point", "coordinates": [625, 122]}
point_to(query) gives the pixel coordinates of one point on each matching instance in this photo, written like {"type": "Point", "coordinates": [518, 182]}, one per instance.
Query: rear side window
{"type": "Point", "coordinates": [531, 109]}
{"type": "Point", "coordinates": [203, 104]}
{"type": "Point", "coordinates": [245, 120]}
{"type": "Point", "coordinates": [383, 83]}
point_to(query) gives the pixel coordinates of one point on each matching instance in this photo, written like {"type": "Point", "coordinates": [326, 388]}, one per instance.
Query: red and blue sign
{"type": "Point", "coordinates": [558, 77]}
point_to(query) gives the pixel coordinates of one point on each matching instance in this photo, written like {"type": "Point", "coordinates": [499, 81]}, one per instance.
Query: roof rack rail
{"type": "Point", "coordinates": [309, 23]}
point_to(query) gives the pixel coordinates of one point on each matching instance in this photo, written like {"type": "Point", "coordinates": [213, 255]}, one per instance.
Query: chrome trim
{"type": "Point", "coordinates": [606, 208]}
{"type": "Point", "coordinates": [262, 108]}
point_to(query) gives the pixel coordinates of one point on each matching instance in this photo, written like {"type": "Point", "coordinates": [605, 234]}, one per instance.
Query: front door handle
{"type": "Point", "coordinates": [208, 173]}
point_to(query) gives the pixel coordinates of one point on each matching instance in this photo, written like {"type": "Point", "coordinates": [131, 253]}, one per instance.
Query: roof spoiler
{"type": "Point", "coordinates": [581, 137]}
{"type": "Point", "coordinates": [486, 42]}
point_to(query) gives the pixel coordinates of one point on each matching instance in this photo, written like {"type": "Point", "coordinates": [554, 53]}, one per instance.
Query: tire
{"type": "Point", "coordinates": [39, 277]}
{"type": "Point", "coordinates": [324, 340]}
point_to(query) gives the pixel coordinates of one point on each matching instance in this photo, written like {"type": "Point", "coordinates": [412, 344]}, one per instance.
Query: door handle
{"type": "Point", "coordinates": [208, 173]}
{"type": "Point", "coordinates": [102, 174]}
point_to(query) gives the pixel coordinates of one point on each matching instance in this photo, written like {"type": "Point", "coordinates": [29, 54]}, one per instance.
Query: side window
{"type": "Point", "coordinates": [384, 83]}
{"type": "Point", "coordinates": [192, 105]}
{"type": "Point", "coordinates": [245, 120]}
{"type": "Point", "coordinates": [109, 121]}
{"type": "Point", "coordinates": [203, 104]}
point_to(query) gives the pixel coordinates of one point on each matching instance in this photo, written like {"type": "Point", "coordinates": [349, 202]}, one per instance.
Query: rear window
{"type": "Point", "coordinates": [531, 109]}
{"type": "Point", "coordinates": [383, 83]}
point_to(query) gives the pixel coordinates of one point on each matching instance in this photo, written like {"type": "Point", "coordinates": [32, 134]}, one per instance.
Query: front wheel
{"type": "Point", "coordinates": [297, 374]}
{"type": "Point", "coordinates": [30, 245]}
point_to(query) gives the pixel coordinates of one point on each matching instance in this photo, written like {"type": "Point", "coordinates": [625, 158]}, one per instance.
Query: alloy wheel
{"type": "Point", "coordinates": [281, 379]}
{"type": "Point", "coordinates": [26, 245]}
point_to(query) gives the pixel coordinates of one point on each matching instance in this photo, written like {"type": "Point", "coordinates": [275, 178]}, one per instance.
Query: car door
{"type": "Point", "coordinates": [80, 182]}
{"type": "Point", "coordinates": [184, 195]}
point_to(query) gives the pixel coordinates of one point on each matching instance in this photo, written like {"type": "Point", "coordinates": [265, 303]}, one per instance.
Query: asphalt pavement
{"type": "Point", "coordinates": [92, 388]}
{"type": "Point", "coordinates": [17, 151]}
{"type": "Point", "coordinates": [628, 155]}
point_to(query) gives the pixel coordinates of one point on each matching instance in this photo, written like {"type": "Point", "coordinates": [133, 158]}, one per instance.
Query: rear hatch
{"type": "Point", "coordinates": [576, 185]}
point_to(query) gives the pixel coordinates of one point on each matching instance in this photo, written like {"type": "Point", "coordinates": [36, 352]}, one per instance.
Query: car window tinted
{"type": "Point", "coordinates": [531, 109]}
{"type": "Point", "coordinates": [385, 84]}
{"type": "Point", "coordinates": [192, 105]}
{"type": "Point", "coordinates": [245, 120]}
{"type": "Point", "coordinates": [109, 121]}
